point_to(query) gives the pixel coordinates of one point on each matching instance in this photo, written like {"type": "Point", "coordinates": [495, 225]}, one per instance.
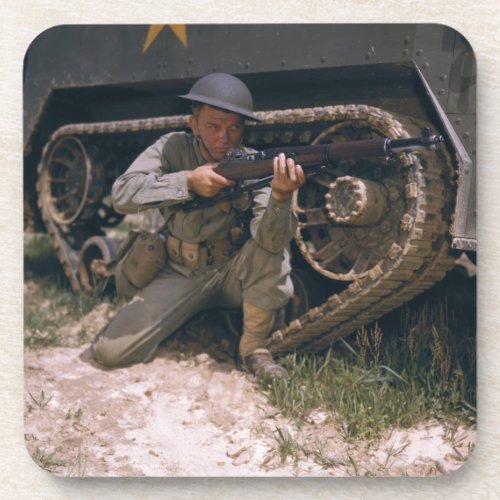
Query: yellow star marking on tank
{"type": "Point", "coordinates": [180, 32]}
{"type": "Point", "coordinates": [155, 29]}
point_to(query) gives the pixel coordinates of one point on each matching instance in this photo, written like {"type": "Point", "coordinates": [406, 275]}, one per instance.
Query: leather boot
{"type": "Point", "coordinates": [257, 324]}
{"type": "Point", "coordinates": [261, 361]}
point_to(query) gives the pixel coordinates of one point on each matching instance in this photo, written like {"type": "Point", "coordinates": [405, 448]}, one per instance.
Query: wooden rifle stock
{"type": "Point", "coordinates": [240, 165]}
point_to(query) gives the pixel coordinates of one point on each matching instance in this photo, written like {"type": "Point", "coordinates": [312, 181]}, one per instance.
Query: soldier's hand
{"type": "Point", "coordinates": [205, 182]}
{"type": "Point", "coordinates": [287, 178]}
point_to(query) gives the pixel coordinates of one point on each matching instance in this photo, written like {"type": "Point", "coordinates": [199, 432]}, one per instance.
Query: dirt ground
{"type": "Point", "coordinates": [192, 412]}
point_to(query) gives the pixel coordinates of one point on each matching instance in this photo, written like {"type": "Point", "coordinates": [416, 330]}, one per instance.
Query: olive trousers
{"type": "Point", "coordinates": [176, 294]}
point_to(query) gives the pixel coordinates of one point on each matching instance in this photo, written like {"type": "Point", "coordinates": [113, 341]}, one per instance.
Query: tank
{"type": "Point", "coordinates": [96, 96]}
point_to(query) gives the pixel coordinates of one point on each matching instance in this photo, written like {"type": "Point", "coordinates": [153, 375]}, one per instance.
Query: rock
{"type": "Point", "coordinates": [243, 458]}
{"type": "Point", "coordinates": [202, 358]}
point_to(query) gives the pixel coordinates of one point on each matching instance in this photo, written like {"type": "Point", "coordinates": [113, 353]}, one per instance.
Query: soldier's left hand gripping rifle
{"type": "Point", "coordinates": [241, 166]}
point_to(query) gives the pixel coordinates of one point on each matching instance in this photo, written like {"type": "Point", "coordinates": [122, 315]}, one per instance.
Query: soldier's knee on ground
{"type": "Point", "coordinates": [106, 354]}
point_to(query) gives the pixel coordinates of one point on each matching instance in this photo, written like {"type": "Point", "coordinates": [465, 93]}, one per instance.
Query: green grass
{"type": "Point", "coordinates": [419, 365]}
{"type": "Point", "coordinates": [48, 461]}
{"type": "Point", "coordinates": [61, 306]}
{"type": "Point", "coordinates": [40, 258]}
{"type": "Point", "coordinates": [53, 304]}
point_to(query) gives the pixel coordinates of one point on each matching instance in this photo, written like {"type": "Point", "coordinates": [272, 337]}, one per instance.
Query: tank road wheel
{"type": "Point", "coordinates": [381, 225]}
{"type": "Point", "coordinates": [70, 183]}
{"type": "Point", "coordinates": [96, 252]}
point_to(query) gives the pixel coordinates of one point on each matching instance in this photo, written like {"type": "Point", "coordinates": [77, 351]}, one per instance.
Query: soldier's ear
{"type": "Point", "coordinates": [193, 125]}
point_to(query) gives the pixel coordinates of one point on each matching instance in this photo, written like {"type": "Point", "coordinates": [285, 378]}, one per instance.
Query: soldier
{"type": "Point", "coordinates": [209, 264]}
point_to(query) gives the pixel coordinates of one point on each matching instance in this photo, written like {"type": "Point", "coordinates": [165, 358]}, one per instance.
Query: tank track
{"type": "Point", "coordinates": [413, 262]}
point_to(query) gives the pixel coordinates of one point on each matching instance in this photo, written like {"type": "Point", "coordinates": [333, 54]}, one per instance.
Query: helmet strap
{"type": "Point", "coordinates": [204, 150]}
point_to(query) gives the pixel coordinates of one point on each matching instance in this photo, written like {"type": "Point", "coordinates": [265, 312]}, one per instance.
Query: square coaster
{"type": "Point", "coordinates": [195, 307]}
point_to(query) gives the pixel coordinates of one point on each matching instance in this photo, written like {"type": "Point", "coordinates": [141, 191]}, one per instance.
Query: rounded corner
{"type": "Point", "coordinates": [43, 459]}
{"type": "Point", "coordinates": [39, 37]}
{"type": "Point", "coordinates": [460, 34]}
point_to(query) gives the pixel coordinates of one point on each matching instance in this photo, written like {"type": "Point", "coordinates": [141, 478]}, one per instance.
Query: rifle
{"type": "Point", "coordinates": [238, 165]}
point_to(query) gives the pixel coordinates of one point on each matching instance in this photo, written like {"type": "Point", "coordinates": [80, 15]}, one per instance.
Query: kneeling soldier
{"type": "Point", "coordinates": [209, 263]}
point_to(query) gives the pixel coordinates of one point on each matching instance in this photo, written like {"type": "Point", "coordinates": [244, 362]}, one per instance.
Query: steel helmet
{"type": "Point", "coordinates": [223, 91]}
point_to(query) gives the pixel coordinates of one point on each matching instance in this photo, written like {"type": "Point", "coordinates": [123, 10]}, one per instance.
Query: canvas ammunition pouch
{"type": "Point", "coordinates": [200, 255]}
{"type": "Point", "coordinates": [145, 255]}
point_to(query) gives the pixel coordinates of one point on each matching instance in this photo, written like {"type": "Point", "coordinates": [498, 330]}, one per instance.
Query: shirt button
{"type": "Point", "coordinates": [179, 193]}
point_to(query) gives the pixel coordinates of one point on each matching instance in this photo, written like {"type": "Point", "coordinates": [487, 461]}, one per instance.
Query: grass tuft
{"type": "Point", "coordinates": [47, 461]}
{"type": "Point", "coordinates": [419, 365]}
{"type": "Point", "coordinates": [51, 304]}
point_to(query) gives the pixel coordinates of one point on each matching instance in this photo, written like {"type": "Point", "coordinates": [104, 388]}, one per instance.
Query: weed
{"type": "Point", "coordinates": [286, 445]}
{"type": "Point", "coordinates": [40, 329]}
{"type": "Point", "coordinates": [47, 461]}
{"type": "Point", "coordinates": [78, 469]}
{"type": "Point", "coordinates": [391, 453]}
{"type": "Point", "coordinates": [42, 402]}
{"type": "Point", "coordinates": [321, 458]}
{"type": "Point", "coordinates": [354, 465]}
{"type": "Point", "coordinates": [78, 414]}
{"type": "Point", "coordinates": [369, 343]}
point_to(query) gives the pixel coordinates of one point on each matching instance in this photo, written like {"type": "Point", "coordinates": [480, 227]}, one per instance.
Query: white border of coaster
{"type": "Point", "coordinates": [20, 23]}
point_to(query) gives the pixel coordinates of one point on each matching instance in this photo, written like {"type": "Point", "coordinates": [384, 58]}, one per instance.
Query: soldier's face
{"type": "Point", "coordinates": [219, 131]}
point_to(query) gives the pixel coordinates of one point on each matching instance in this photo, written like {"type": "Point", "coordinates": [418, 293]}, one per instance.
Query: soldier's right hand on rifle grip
{"type": "Point", "coordinates": [205, 182]}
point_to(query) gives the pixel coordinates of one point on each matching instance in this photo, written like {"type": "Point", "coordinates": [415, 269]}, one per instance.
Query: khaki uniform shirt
{"type": "Point", "coordinates": [158, 179]}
